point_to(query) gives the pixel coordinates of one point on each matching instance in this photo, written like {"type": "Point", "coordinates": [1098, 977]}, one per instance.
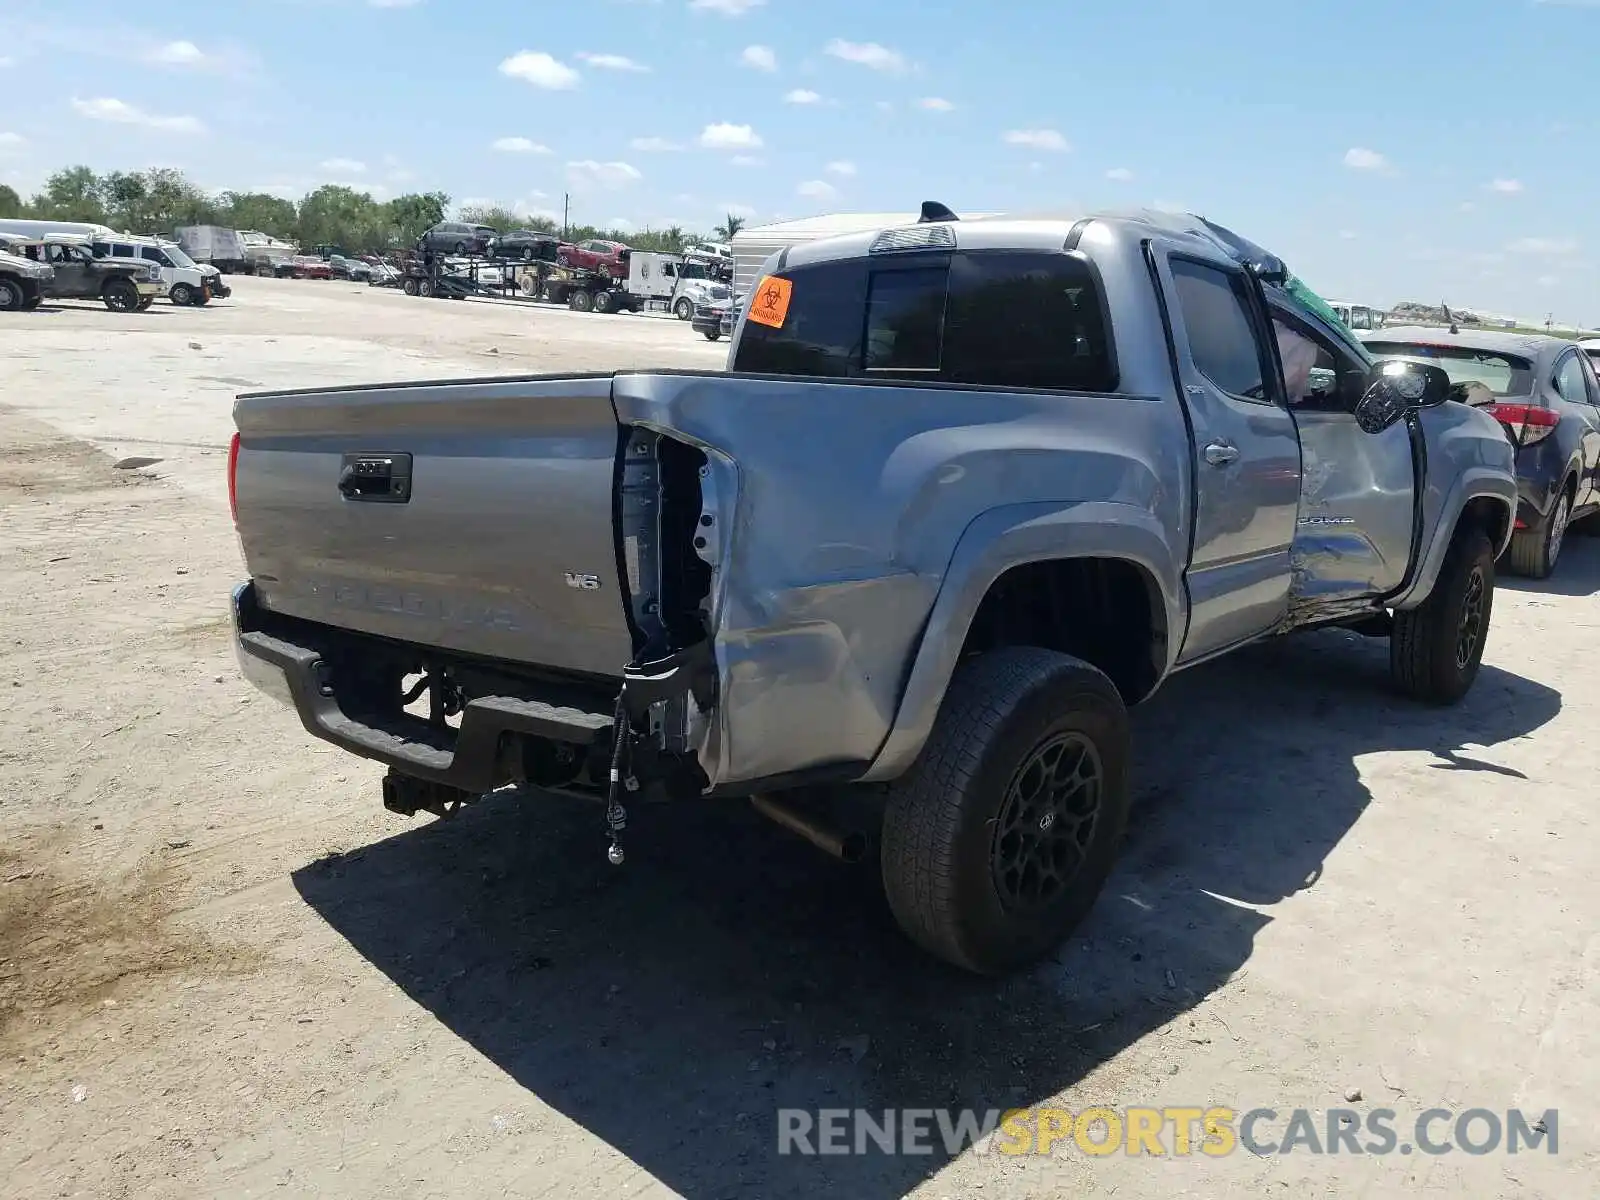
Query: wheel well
{"type": "Point", "coordinates": [1106, 611]}
{"type": "Point", "coordinates": [1488, 514]}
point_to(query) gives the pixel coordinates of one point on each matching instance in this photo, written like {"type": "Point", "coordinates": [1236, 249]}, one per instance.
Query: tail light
{"type": "Point", "coordinates": [233, 478]}
{"type": "Point", "coordinates": [1525, 423]}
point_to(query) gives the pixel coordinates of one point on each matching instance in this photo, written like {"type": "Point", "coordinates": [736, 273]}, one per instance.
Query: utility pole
{"type": "Point", "coordinates": [566, 211]}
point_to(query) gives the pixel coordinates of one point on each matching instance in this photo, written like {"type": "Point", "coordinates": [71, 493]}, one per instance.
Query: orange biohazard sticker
{"type": "Point", "coordinates": [769, 303]}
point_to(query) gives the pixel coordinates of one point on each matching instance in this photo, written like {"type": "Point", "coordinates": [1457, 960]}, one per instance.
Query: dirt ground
{"type": "Point", "coordinates": [225, 970]}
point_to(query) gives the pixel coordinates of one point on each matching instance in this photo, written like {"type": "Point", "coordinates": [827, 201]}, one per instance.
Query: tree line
{"type": "Point", "coordinates": [160, 199]}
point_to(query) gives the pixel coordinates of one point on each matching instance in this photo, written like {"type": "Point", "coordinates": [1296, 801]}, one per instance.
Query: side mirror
{"type": "Point", "coordinates": [1400, 387]}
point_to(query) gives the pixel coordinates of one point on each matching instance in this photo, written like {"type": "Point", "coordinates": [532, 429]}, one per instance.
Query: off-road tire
{"type": "Point", "coordinates": [683, 309]}
{"type": "Point", "coordinates": [1535, 552]}
{"type": "Point", "coordinates": [1427, 658]}
{"type": "Point", "coordinates": [12, 298]}
{"type": "Point", "coordinates": [182, 295]}
{"type": "Point", "coordinates": [941, 835]}
{"type": "Point", "coordinates": [119, 295]}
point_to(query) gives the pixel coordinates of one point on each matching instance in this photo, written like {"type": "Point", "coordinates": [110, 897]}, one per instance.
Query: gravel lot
{"type": "Point", "coordinates": [225, 970]}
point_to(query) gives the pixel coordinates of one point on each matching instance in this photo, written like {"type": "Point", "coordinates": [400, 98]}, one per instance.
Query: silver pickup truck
{"type": "Point", "coordinates": [967, 491]}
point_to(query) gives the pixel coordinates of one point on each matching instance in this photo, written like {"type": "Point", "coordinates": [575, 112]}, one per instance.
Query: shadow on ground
{"type": "Point", "coordinates": [1577, 570]}
{"type": "Point", "coordinates": [672, 1006]}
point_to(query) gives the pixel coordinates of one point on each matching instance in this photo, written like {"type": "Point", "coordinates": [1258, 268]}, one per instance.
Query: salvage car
{"type": "Point", "coordinates": [527, 244]}
{"type": "Point", "coordinates": [76, 274]}
{"type": "Point", "coordinates": [1544, 392]}
{"type": "Point", "coordinates": [967, 491]}
{"type": "Point", "coordinates": [23, 283]}
{"type": "Point", "coordinates": [607, 259]}
{"type": "Point", "coordinates": [303, 266]}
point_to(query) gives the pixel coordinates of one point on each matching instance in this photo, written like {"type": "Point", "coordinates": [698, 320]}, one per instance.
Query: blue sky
{"type": "Point", "coordinates": [1417, 149]}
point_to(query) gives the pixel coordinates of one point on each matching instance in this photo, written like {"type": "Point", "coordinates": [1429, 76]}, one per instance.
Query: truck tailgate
{"type": "Point", "coordinates": [476, 517]}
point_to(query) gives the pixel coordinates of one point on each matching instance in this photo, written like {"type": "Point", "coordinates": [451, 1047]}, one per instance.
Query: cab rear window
{"type": "Point", "coordinates": [1018, 319]}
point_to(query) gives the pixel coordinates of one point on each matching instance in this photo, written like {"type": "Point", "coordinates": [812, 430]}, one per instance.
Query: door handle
{"type": "Point", "coordinates": [1220, 454]}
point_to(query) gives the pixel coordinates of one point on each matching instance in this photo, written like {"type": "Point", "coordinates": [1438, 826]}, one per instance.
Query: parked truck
{"type": "Point", "coordinates": [213, 244]}
{"type": "Point", "coordinates": [967, 491]}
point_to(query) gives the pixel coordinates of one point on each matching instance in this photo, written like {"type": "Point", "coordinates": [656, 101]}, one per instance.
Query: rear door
{"type": "Point", "coordinates": [1575, 380]}
{"type": "Point", "coordinates": [1247, 468]}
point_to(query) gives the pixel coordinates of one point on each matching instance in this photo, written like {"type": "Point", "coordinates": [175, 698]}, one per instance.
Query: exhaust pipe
{"type": "Point", "coordinates": [846, 847]}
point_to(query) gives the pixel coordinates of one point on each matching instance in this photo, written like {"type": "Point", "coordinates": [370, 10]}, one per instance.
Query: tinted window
{"type": "Point", "coordinates": [1569, 380]}
{"type": "Point", "coordinates": [1222, 338]}
{"type": "Point", "coordinates": [994, 318]}
{"type": "Point", "coordinates": [905, 319]}
{"type": "Point", "coordinates": [148, 253]}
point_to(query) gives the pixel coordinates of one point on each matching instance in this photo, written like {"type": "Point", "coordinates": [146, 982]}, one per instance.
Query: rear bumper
{"type": "Point", "coordinates": [482, 754]}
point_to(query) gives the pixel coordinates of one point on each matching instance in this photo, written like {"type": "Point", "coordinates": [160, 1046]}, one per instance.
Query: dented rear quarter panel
{"type": "Point", "coordinates": [844, 507]}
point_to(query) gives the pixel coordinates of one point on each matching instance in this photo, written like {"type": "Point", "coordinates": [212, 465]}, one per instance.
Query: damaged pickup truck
{"type": "Point", "coordinates": [968, 490]}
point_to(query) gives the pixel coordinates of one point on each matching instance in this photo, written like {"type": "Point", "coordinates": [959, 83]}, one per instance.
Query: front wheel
{"type": "Point", "coordinates": [683, 309]}
{"type": "Point", "coordinates": [11, 296]}
{"type": "Point", "coordinates": [998, 840]}
{"type": "Point", "coordinates": [182, 294]}
{"type": "Point", "coordinates": [120, 296]}
{"type": "Point", "coordinates": [1435, 649]}
{"type": "Point", "coordinates": [1534, 552]}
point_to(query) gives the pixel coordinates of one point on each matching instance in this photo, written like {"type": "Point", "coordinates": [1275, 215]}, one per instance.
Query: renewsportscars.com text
{"type": "Point", "coordinates": [1169, 1131]}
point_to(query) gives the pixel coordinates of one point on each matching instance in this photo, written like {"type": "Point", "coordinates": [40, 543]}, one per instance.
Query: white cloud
{"type": "Point", "coordinates": [518, 145]}
{"type": "Point", "coordinates": [1506, 187]}
{"type": "Point", "coordinates": [840, 167]}
{"type": "Point", "coordinates": [612, 62]}
{"type": "Point", "coordinates": [178, 54]}
{"type": "Point", "coordinates": [11, 141]}
{"type": "Point", "coordinates": [1038, 139]}
{"type": "Point", "coordinates": [727, 8]}
{"type": "Point", "coordinates": [1468, 206]}
{"type": "Point", "coordinates": [760, 57]}
{"type": "Point", "coordinates": [539, 69]}
{"type": "Point", "coordinates": [802, 96]}
{"type": "Point", "coordinates": [817, 189]}
{"type": "Point", "coordinates": [120, 112]}
{"type": "Point", "coordinates": [745, 160]}
{"type": "Point", "coordinates": [737, 210]}
{"type": "Point", "coordinates": [654, 145]}
{"type": "Point", "coordinates": [7, 61]}
{"type": "Point", "coordinates": [1359, 158]}
{"type": "Point", "coordinates": [1347, 235]}
{"type": "Point", "coordinates": [1548, 280]}
{"type": "Point", "coordinates": [347, 166]}
{"type": "Point", "coordinates": [867, 54]}
{"type": "Point", "coordinates": [727, 136]}
{"type": "Point", "coordinates": [935, 104]}
{"type": "Point", "coordinates": [589, 173]}
{"type": "Point", "coordinates": [1543, 245]}
{"type": "Point", "coordinates": [1119, 175]}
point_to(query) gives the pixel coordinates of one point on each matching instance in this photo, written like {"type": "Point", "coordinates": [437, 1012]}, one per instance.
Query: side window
{"type": "Point", "coordinates": [1317, 375]}
{"type": "Point", "coordinates": [150, 254]}
{"type": "Point", "coordinates": [1591, 378]}
{"type": "Point", "coordinates": [1222, 336]}
{"type": "Point", "coordinates": [821, 332]}
{"type": "Point", "coordinates": [1570, 380]}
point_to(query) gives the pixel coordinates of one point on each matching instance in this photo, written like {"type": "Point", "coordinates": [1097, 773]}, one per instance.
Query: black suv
{"type": "Point", "coordinates": [527, 244]}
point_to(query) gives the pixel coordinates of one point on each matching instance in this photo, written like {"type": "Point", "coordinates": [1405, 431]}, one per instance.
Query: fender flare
{"type": "Point", "coordinates": [1475, 483]}
{"type": "Point", "coordinates": [993, 543]}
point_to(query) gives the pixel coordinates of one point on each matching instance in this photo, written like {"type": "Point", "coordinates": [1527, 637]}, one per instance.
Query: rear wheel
{"type": "Point", "coordinates": [424, 287]}
{"type": "Point", "coordinates": [1435, 649]}
{"type": "Point", "coordinates": [604, 302]}
{"type": "Point", "coordinates": [182, 294]}
{"type": "Point", "coordinates": [12, 298]}
{"type": "Point", "coordinates": [581, 301]}
{"type": "Point", "coordinates": [144, 302]}
{"type": "Point", "coordinates": [409, 287]}
{"type": "Point", "coordinates": [120, 296]}
{"type": "Point", "coordinates": [527, 254]}
{"type": "Point", "coordinates": [461, 248]}
{"type": "Point", "coordinates": [712, 335]}
{"type": "Point", "coordinates": [1534, 552]}
{"type": "Point", "coordinates": [998, 840]}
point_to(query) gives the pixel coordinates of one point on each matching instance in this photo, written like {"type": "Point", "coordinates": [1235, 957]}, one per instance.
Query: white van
{"type": "Point", "coordinates": [183, 280]}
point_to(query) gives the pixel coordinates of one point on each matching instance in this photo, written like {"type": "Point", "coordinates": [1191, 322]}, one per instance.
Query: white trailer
{"type": "Point", "coordinates": [752, 247]}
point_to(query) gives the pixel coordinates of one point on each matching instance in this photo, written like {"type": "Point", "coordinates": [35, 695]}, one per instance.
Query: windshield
{"type": "Point", "coordinates": [1502, 374]}
{"type": "Point", "coordinates": [176, 257]}
{"type": "Point", "coordinates": [692, 270]}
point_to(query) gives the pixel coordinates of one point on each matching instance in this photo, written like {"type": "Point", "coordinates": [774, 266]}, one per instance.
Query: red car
{"type": "Point", "coordinates": [607, 258]}
{"type": "Point", "coordinates": [303, 266]}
